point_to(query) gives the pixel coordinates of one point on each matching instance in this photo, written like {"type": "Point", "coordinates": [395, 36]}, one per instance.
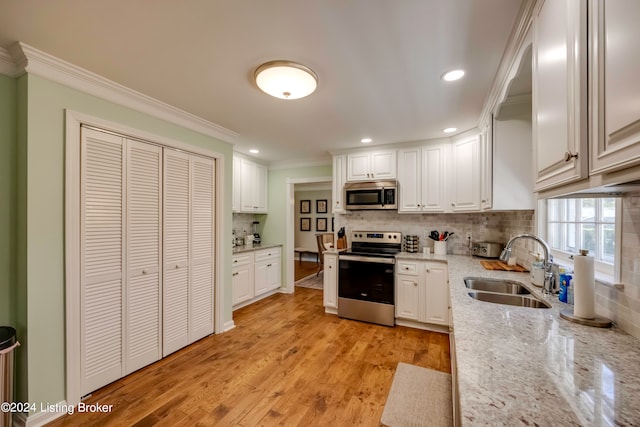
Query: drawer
{"type": "Point", "coordinates": [241, 259]}
{"type": "Point", "coordinates": [265, 254]}
{"type": "Point", "coordinates": [407, 267]}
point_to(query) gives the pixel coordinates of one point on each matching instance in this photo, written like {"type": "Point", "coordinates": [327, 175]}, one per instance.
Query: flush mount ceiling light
{"type": "Point", "coordinates": [286, 79]}
{"type": "Point", "coordinates": [366, 140]}
{"type": "Point", "coordinates": [449, 130]}
{"type": "Point", "coordinates": [254, 151]}
{"type": "Point", "coordinates": [450, 76]}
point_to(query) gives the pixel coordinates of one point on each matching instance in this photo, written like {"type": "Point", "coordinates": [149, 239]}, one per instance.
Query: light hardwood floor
{"type": "Point", "coordinates": [305, 268]}
{"type": "Point", "coordinates": [286, 363]}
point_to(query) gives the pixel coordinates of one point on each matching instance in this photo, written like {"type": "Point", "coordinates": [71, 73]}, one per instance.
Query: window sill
{"type": "Point", "coordinates": [601, 278]}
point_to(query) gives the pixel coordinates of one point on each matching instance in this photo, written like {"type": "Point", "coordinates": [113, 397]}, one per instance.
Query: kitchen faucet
{"type": "Point", "coordinates": [548, 287]}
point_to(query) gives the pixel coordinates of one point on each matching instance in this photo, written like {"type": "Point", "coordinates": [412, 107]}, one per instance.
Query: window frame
{"type": "Point", "coordinates": [607, 271]}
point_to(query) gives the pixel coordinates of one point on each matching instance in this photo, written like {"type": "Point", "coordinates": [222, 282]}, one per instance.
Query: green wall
{"type": "Point", "coordinates": [41, 243]}
{"type": "Point", "coordinates": [8, 123]}
{"type": "Point", "coordinates": [275, 226]}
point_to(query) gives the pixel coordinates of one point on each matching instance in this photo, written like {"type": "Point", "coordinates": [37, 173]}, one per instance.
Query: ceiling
{"type": "Point", "coordinates": [379, 62]}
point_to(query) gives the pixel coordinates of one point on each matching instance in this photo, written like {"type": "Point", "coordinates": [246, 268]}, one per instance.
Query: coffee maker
{"type": "Point", "coordinates": [256, 235]}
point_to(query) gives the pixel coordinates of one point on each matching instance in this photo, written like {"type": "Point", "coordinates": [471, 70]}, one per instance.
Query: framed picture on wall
{"type": "Point", "coordinates": [321, 224]}
{"type": "Point", "coordinates": [305, 224]}
{"type": "Point", "coordinates": [305, 206]}
{"type": "Point", "coordinates": [321, 206]}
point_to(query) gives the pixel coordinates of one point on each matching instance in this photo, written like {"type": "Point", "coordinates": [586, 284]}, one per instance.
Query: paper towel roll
{"type": "Point", "coordinates": [583, 286]}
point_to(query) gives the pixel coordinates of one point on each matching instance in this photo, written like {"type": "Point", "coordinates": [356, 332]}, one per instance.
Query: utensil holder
{"type": "Point", "coordinates": [440, 247]}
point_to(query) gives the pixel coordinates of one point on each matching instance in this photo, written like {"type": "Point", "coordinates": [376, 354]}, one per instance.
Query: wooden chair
{"type": "Point", "coordinates": [325, 241]}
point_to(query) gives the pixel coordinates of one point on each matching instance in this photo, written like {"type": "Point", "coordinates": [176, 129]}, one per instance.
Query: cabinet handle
{"type": "Point", "coordinates": [406, 268]}
{"type": "Point", "coordinates": [484, 201]}
{"type": "Point", "coordinates": [268, 265]}
{"type": "Point", "coordinates": [330, 267]}
{"type": "Point", "coordinates": [235, 260]}
{"type": "Point", "coordinates": [235, 274]}
{"type": "Point", "coordinates": [568, 156]}
{"type": "Point", "coordinates": [415, 283]}
{"type": "Point", "coordinates": [428, 270]}
{"type": "Point", "coordinates": [453, 204]}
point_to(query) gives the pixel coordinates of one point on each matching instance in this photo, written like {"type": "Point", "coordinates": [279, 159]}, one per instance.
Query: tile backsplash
{"type": "Point", "coordinates": [489, 226]}
{"type": "Point", "coordinates": [623, 306]}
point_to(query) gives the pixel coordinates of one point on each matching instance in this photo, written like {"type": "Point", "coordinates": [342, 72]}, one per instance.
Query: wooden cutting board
{"type": "Point", "coordinates": [499, 265]}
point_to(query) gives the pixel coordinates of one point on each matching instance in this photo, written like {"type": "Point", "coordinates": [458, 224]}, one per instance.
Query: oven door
{"type": "Point", "coordinates": [366, 278]}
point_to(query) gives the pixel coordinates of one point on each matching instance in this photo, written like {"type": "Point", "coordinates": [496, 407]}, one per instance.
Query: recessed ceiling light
{"type": "Point", "coordinates": [366, 140]}
{"type": "Point", "coordinates": [450, 76]}
{"type": "Point", "coordinates": [449, 130]}
{"type": "Point", "coordinates": [254, 151]}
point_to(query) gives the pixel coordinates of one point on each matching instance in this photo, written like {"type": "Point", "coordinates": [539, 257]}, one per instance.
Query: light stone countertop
{"type": "Point", "coordinates": [250, 248]}
{"type": "Point", "coordinates": [528, 366]}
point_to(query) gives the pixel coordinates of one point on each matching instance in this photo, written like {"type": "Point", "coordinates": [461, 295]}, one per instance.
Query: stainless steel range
{"type": "Point", "coordinates": [366, 277]}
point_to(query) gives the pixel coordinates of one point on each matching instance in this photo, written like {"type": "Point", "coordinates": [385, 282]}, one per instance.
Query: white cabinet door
{"type": "Point", "coordinates": [201, 248]}
{"type": "Point", "coordinates": [410, 179]}
{"type": "Point", "coordinates": [359, 167]}
{"type": "Point", "coordinates": [421, 179]}
{"type": "Point", "coordinates": [486, 155]}
{"type": "Point", "coordinates": [237, 183]}
{"type": "Point", "coordinates": [242, 283]}
{"type": "Point", "coordinates": [466, 175]}
{"type": "Point", "coordinates": [102, 253]}
{"type": "Point", "coordinates": [260, 278]}
{"type": "Point", "coordinates": [434, 173]}
{"type": "Point", "coordinates": [407, 297]}
{"type": "Point", "coordinates": [559, 93]}
{"type": "Point", "coordinates": [144, 250]}
{"type": "Point", "coordinates": [247, 185]}
{"type": "Point", "coordinates": [383, 164]}
{"type": "Point", "coordinates": [615, 90]}
{"type": "Point", "coordinates": [274, 274]}
{"type": "Point", "coordinates": [371, 165]}
{"type": "Point", "coordinates": [437, 294]}
{"type": "Point", "coordinates": [260, 186]}
{"type": "Point", "coordinates": [339, 178]}
{"type": "Point", "coordinates": [330, 281]}
{"type": "Point", "coordinates": [176, 251]}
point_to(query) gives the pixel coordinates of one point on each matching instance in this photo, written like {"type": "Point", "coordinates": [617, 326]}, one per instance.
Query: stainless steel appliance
{"type": "Point", "coordinates": [371, 195]}
{"type": "Point", "coordinates": [487, 249]}
{"type": "Point", "coordinates": [366, 277]}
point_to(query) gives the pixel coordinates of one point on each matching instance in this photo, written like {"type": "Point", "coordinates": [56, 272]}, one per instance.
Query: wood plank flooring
{"type": "Point", "coordinates": [286, 363]}
{"type": "Point", "coordinates": [305, 268]}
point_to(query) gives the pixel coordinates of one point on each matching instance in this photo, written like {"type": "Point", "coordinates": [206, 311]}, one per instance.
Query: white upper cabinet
{"type": "Point", "coordinates": [339, 178]}
{"type": "Point", "coordinates": [364, 166]}
{"type": "Point", "coordinates": [421, 178]}
{"type": "Point", "coordinates": [559, 92]}
{"type": "Point", "coordinates": [486, 155]}
{"type": "Point", "coordinates": [615, 85]}
{"type": "Point", "coordinates": [236, 185]}
{"type": "Point", "coordinates": [465, 178]}
{"type": "Point", "coordinates": [253, 186]}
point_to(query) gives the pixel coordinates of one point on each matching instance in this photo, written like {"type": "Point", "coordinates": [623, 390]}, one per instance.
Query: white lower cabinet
{"type": "Point", "coordinates": [330, 294]}
{"type": "Point", "coordinates": [255, 274]}
{"type": "Point", "coordinates": [242, 278]}
{"type": "Point", "coordinates": [422, 292]}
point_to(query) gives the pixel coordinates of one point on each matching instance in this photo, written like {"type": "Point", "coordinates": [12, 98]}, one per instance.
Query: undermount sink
{"type": "Point", "coordinates": [495, 285]}
{"type": "Point", "coordinates": [502, 292]}
{"type": "Point", "coordinates": [517, 300]}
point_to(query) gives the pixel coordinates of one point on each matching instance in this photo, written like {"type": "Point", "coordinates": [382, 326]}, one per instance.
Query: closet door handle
{"type": "Point", "coordinates": [177, 266]}
{"type": "Point", "coordinates": [144, 272]}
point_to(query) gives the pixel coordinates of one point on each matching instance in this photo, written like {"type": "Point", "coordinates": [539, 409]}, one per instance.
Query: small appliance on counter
{"type": "Point", "coordinates": [256, 235]}
{"type": "Point", "coordinates": [487, 249]}
{"type": "Point", "coordinates": [411, 244]}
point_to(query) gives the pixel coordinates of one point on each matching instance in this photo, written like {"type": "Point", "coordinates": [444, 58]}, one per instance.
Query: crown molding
{"type": "Point", "coordinates": [299, 164]}
{"type": "Point", "coordinates": [517, 40]}
{"type": "Point", "coordinates": [27, 59]}
{"type": "Point", "coordinates": [7, 66]}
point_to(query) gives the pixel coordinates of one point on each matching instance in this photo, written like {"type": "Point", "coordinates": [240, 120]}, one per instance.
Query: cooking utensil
{"type": "Point", "coordinates": [435, 235]}
{"type": "Point", "coordinates": [449, 235]}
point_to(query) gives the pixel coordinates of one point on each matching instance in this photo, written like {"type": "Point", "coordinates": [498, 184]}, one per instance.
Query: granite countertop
{"type": "Point", "coordinates": [251, 248]}
{"type": "Point", "coordinates": [528, 366]}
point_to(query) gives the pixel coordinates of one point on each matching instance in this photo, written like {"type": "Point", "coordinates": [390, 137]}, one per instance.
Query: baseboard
{"type": "Point", "coordinates": [41, 418]}
{"type": "Point", "coordinates": [331, 310]}
{"type": "Point", "coordinates": [228, 326]}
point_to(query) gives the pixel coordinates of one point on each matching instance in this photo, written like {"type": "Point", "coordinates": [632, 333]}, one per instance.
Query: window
{"type": "Point", "coordinates": [574, 224]}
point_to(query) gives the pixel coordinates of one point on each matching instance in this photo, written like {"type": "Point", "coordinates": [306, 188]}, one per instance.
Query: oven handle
{"type": "Point", "coordinates": [375, 260]}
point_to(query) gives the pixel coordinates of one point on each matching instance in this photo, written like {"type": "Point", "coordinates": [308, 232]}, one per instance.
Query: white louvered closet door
{"type": "Point", "coordinates": [102, 252]}
{"type": "Point", "coordinates": [201, 248]}
{"type": "Point", "coordinates": [143, 261]}
{"type": "Point", "coordinates": [176, 251]}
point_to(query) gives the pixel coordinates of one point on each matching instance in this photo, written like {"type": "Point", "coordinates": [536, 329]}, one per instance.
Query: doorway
{"type": "Point", "coordinates": [303, 222]}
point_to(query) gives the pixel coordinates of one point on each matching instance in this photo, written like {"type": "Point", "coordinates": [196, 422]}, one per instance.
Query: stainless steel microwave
{"type": "Point", "coordinates": [371, 195]}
